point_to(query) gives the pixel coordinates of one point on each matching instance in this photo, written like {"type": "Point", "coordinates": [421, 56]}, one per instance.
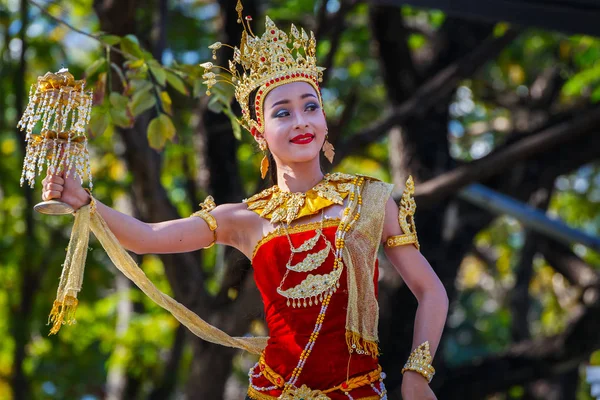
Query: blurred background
{"type": "Point", "coordinates": [495, 114]}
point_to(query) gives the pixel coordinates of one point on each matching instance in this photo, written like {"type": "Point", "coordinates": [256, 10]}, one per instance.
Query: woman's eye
{"type": "Point", "coordinates": [311, 107]}
{"type": "Point", "coordinates": [281, 113]}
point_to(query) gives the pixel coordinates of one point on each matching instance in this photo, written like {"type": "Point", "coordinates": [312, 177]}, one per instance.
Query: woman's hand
{"type": "Point", "coordinates": [66, 189]}
{"type": "Point", "coordinates": [415, 387]}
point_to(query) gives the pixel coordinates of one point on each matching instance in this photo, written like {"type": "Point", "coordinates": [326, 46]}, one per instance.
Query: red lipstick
{"type": "Point", "coordinates": [304, 138]}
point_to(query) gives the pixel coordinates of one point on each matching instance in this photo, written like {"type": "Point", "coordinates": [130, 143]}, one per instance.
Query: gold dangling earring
{"type": "Point", "coordinates": [264, 163]}
{"type": "Point", "coordinates": [328, 149]}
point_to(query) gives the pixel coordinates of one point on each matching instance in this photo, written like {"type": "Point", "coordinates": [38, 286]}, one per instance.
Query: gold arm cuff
{"type": "Point", "coordinates": [400, 240]}
{"type": "Point", "coordinates": [420, 361]}
{"type": "Point", "coordinates": [207, 206]}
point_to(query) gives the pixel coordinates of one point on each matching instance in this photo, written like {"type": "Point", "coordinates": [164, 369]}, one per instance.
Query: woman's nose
{"type": "Point", "coordinates": [300, 122]}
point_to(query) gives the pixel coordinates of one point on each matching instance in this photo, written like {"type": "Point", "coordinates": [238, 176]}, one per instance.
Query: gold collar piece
{"type": "Point", "coordinates": [280, 206]}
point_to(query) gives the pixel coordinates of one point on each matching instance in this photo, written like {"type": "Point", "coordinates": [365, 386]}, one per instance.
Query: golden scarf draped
{"type": "Point", "coordinates": [359, 257]}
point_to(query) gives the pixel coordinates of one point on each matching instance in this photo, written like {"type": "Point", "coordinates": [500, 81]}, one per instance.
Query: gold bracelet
{"type": "Point", "coordinates": [420, 361]}
{"type": "Point", "coordinates": [206, 206]}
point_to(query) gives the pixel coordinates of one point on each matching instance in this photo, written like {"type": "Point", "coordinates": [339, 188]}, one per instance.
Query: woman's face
{"type": "Point", "coordinates": [295, 126]}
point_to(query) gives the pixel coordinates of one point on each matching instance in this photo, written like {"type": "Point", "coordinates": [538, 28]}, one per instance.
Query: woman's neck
{"type": "Point", "coordinates": [299, 177]}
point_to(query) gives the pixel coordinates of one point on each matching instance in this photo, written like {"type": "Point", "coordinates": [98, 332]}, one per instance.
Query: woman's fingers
{"type": "Point", "coordinates": [51, 194]}
{"type": "Point", "coordinates": [54, 187]}
{"type": "Point", "coordinates": [56, 179]}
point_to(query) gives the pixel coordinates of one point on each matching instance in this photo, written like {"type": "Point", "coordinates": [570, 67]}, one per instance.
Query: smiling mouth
{"type": "Point", "coordinates": [305, 138]}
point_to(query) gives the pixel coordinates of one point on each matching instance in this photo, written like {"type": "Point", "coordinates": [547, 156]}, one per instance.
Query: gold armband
{"type": "Point", "coordinates": [406, 219]}
{"type": "Point", "coordinates": [205, 207]}
{"type": "Point", "coordinates": [420, 362]}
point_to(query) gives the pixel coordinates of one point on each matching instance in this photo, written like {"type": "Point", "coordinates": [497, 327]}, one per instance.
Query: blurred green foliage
{"type": "Point", "coordinates": [74, 364]}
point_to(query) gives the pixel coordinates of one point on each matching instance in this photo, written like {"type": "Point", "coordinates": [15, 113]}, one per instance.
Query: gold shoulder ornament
{"type": "Point", "coordinates": [406, 218]}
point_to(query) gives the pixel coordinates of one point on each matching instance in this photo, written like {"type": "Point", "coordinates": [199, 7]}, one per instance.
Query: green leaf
{"type": "Point", "coordinates": [215, 105]}
{"type": "Point", "coordinates": [160, 130]}
{"type": "Point", "coordinates": [121, 117]}
{"type": "Point", "coordinates": [94, 67]}
{"type": "Point", "coordinates": [111, 40]}
{"type": "Point", "coordinates": [139, 85]}
{"type": "Point", "coordinates": [199, 88]}
{"type": "Point", "coordinates": [159, 73]}
{"type": "Point", "coordinates": [99, 121]}
{"type": "Point", "coordinates": [595, 96]}
{"type": "Point", "coordinates": [135, 64]}
{"type": "Point", "coordinates": [142, 101]}
{"type": "Point", "coordinates": [235, 124]}
{"type": "Point", "coordinates": [117, 100]}
{"type": "Point", "coordinates": [166, 101]}
{"type": "Point", "coordinates": [131, 46]}
{"type": "Point", "coordinates": [177, 83]}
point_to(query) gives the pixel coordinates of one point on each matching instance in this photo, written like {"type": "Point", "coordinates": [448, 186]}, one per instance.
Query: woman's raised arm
{"type": "Point", "coordinates": [175, 236]}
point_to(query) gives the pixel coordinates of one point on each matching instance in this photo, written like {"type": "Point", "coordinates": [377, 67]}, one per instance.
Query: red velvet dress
{"type": "Point", "coordinates": [329, 363]}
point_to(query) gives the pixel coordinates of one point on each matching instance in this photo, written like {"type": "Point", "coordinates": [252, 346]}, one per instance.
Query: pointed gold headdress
{"type": "Point", "coordinates": [263, 63]}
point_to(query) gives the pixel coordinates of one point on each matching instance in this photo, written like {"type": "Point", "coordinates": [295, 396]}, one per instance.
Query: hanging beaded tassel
{"type": "Point", "coordinates": [60, 107]}
{"type": "Point", "coordinates": [58, 111]}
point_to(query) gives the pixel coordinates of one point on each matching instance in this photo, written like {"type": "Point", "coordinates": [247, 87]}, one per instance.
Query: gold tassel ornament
{"type": "Point", "coordinates": [55, 120]}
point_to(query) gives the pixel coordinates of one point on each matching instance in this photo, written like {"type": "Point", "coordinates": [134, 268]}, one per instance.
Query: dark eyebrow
{"type": "Point", "coordinates": [279, 103]}
{"type": "Point", "coordinates": [285, 101]}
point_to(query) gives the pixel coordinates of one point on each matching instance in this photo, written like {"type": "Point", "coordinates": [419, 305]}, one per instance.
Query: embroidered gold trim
{"type": "Point", "coordinates": [256, 395]}
{"type": "Point", "coordinates": [294, 229]}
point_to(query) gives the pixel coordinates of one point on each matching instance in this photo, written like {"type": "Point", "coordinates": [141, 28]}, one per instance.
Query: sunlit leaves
{"type": "Point", "coordinates": [130, 45]}
{"type": "Point", "coordinates": [176, 82]}
{"type": "Point", "coordinates": [160, 130]}
{"type": "Point", "coordinates": [142, 101]}
{"type": "Point", "coordinates": [99, 121]}
{"type": "Point", "coordinates": [95, 67]}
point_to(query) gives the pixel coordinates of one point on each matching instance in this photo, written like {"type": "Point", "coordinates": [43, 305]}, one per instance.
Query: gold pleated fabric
{"type": "Point", "coordinates": [193, 322]}
{"type": "Point", "coordinates": [71, 278]}
{"type": "Point", "coordinates": [360, 255]}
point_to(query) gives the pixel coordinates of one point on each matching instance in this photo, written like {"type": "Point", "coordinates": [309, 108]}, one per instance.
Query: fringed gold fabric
{"type": "Point", "coordinates": [65, 305]}
{"type": "Point", "coordinates": [360, 256]}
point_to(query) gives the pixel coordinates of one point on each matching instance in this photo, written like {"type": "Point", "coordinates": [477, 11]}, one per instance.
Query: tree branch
{"type": "Point", "coordinates": [567, 263]}
{"type": "Point", "coordinates": [427, 95]}
{"type": "Point", "coordinates": [436, 189]}
{"type": "Point", "coordinates": [529, 360]}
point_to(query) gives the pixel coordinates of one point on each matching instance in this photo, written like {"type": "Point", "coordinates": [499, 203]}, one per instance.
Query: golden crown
{"type": "Point", "coordinates": [264, 63]}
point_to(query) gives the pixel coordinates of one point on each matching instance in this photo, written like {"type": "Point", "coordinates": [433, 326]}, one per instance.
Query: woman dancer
{"type": "Point", "coordinates": [312, 237]}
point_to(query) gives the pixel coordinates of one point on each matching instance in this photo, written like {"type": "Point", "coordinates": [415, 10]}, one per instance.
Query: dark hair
{"type": "Point", "coordinates": [272, 165]}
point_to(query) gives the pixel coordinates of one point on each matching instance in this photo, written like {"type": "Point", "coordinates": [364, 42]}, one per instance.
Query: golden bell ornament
{"type": "Point", "coordinates": [55, 120]}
